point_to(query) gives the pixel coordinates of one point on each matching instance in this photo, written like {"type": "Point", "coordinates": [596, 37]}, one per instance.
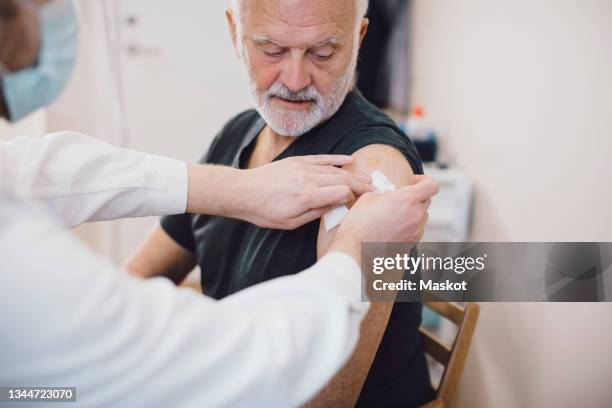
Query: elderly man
{"type": "Point", "coordinates": [300, 56]}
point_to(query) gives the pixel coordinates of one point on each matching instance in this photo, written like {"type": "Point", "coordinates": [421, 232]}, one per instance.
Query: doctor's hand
{"type": "Point", "coordinates": [397, 216]}
{"type": "Point", "coordinates": [284, 194]}
{"type": "Point", "coordinates": [295, 191]}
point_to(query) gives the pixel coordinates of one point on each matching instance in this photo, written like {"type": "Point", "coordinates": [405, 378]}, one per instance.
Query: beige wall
{"type": "Point", "coordinates": [521, 93]}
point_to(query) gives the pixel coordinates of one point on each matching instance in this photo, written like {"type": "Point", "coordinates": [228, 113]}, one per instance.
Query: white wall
{"type": "Point", "coordinates": [521, 93]}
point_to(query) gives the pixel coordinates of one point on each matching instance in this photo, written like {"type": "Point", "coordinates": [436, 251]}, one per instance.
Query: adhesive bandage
{"type": "Point", "coordinates": [381, 184]}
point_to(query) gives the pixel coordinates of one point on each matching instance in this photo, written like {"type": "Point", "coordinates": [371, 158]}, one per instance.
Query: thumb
{"type": "Point", "coordinates": [424, 189]}
{"type": "Point", "coordinates": [417, 178]}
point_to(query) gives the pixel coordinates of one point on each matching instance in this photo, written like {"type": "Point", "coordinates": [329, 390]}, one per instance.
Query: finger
{"type": "Point", "coordinates": [310, 216]}
{"type": "Point", "coordinates": [330, 196]}
{"type": "Point", "coordinates": [326, 159]}
{"type": "Point", "coordinates": [423, 190]}
{"type": "Point", "coordinates": [357, 186]}
{"type": "Point", "coordinates": [337, 170]}
{"type": "Point", "coordinates": [416, 178]}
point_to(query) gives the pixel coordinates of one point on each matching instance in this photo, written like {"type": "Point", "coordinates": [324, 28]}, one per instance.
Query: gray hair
{"type": "Point", "coordinates": [362, 9]}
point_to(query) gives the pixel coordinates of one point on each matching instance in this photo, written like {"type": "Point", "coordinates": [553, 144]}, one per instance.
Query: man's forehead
{"type": "Point", "coordinates": [300, 22]}
{"type": "Point", "coordinates": [300, 13]}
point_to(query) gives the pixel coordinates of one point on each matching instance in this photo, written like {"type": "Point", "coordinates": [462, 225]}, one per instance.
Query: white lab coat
{"type": "Point", "coordinates": [70, 318]}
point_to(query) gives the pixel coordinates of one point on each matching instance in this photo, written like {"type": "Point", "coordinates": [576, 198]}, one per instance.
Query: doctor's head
{"type": "Point", "coordinates": [38, 41]}
{"type": "Point", "coordinates": [300, 57]}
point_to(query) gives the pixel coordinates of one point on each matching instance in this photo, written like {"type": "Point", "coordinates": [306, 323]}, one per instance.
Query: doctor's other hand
{"type": "Point", "coordinates": [284, 194]}
{"type": "Point", "coordinates": [397, 216]}
{"type": "Point", "coordinates": [289, 193]}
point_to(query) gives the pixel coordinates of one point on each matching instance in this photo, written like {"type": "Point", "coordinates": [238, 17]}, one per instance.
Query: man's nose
{"type": "Point", "coordinates": [295, 74]}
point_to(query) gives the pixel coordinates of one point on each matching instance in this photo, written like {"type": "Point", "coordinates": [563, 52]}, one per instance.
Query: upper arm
{"type": "Point", "coordinates": [388, 160]}
{"type": "Point", "coordinates": [344, 388]}
{"type": "Point", "coordinates": [160, 255]}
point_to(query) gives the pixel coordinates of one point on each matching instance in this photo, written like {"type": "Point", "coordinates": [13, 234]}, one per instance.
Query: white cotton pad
{"type": "Point", "coordinates": [381, 185]}
{"type": "Point", "coordinates": [333, 218]}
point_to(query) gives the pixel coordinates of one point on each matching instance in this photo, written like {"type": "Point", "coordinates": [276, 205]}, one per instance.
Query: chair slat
{"type": "Point", "coordinates": [434, 347]}
{"type": "Point", "coordinates": [451, 311]}
{"type": "Point", "coordinates": [453, 358]}
{"type": "Point", "coordinates": [447, 391]}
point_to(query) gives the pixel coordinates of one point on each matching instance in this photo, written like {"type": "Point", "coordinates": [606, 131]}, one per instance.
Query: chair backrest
{"type": "Point", "coordinates": [452, 358]}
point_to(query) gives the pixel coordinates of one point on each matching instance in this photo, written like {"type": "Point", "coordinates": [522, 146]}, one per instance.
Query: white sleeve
{"type": "Point", "coordinates": [81, 179]}
{"type": "Point", "coordinates": [70, 318]}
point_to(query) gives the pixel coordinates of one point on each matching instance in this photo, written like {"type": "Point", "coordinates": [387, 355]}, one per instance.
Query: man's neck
{"type": "Point", "coordinates": [277, 142]}
{"type": "Point", "coordinates": [269, 145]}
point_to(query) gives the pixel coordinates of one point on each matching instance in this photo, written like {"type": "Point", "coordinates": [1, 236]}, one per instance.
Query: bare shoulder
{"type": "Point", "coordinates": [385, 158]}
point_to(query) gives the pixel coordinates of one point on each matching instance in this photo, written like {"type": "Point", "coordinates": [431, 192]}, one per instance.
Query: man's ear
{"type": "Point", "coordinates": [229, 15]}
{"type": "Point", "coordinates": [363, 30]}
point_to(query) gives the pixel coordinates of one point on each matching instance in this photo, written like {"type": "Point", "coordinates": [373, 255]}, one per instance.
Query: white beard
{"type": "Point", "coordinates": [292, 122]}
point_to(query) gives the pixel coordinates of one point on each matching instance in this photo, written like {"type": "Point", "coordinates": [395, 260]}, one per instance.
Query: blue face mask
{"type": "Point", "coordinates": [32, 88]}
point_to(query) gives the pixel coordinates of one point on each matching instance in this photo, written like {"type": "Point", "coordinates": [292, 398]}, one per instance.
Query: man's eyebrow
{"type": "Point", "coordinates": [333, 40]}
{"type": "Point", "coordinates": [266, 39]}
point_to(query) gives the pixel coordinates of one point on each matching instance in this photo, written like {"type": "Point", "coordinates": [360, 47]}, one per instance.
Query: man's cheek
{"type": "Point", "coordinates": [326, 79]}
{"type": "Point", "coordinates": [257, 66]}
{"type": "Point", "coordinates": [265, 76]}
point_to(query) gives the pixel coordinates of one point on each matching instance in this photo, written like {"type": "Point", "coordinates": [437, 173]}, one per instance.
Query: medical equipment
{"type": "Point", "coordinates": [450, 210]}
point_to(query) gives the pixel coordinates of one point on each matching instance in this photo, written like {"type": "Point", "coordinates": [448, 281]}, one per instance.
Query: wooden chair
{"type": "Point", "coordinates": [453, 358]}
